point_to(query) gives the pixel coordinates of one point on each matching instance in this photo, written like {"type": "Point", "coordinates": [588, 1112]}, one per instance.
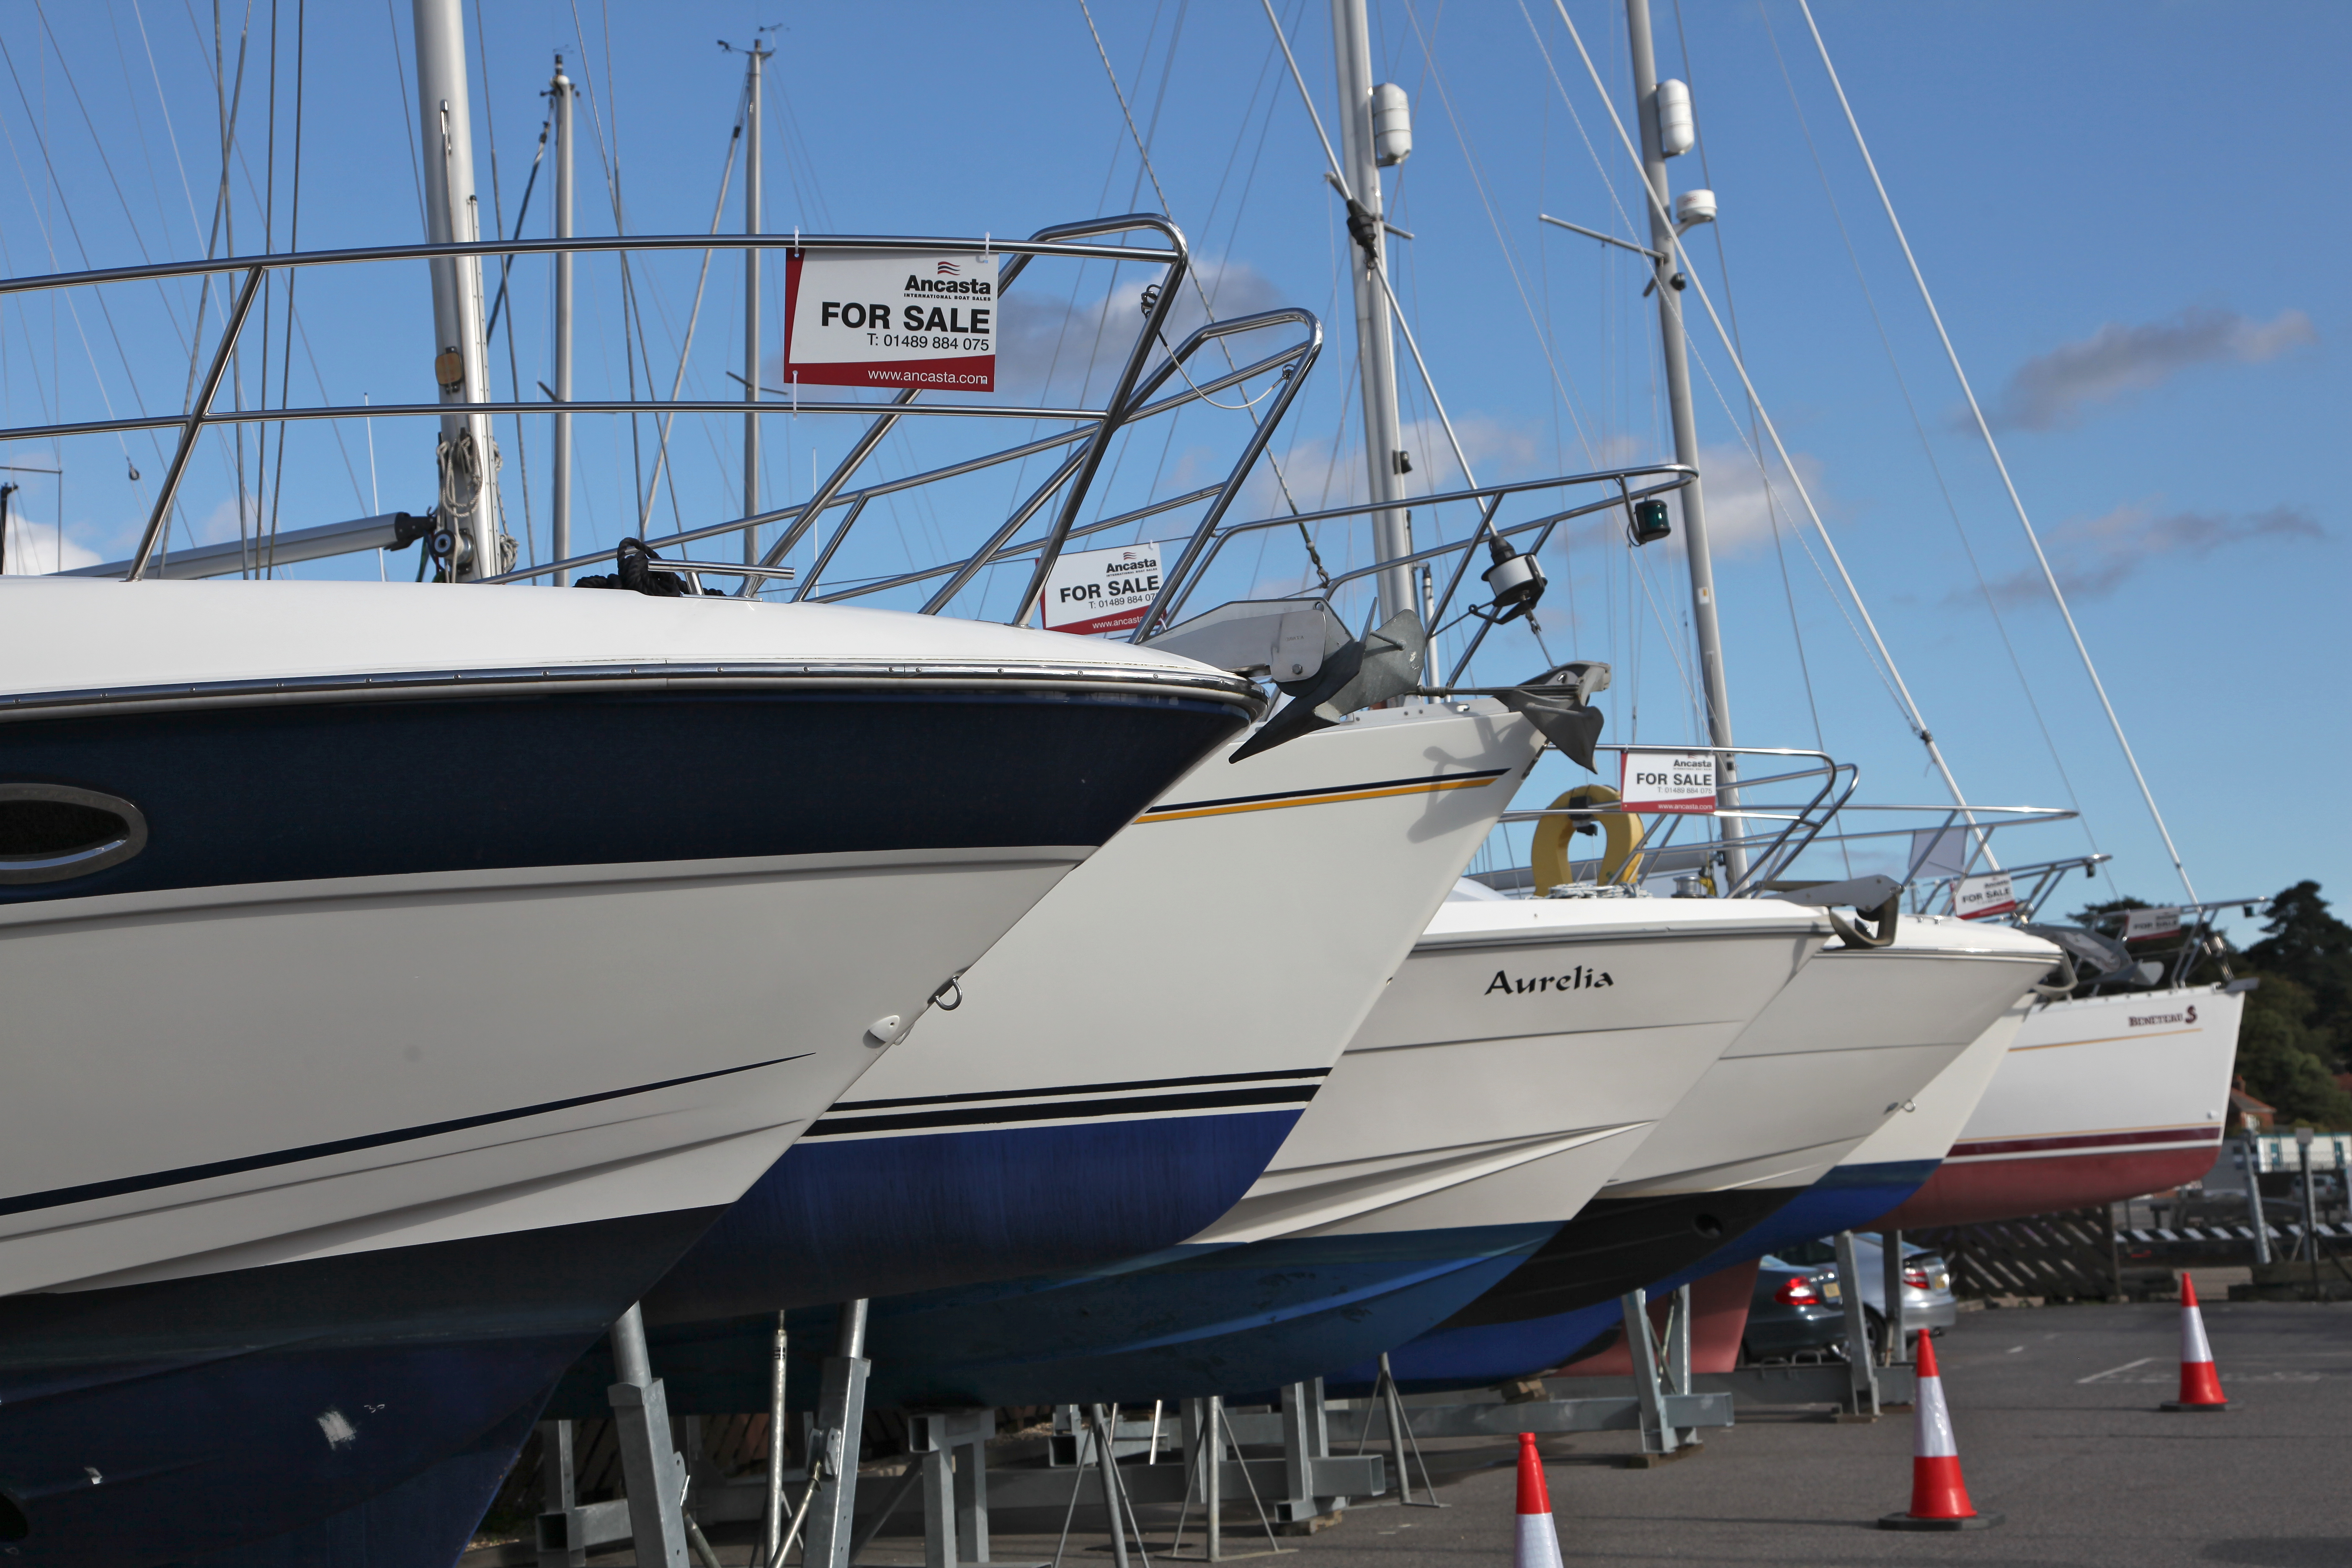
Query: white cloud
{"type": "Point", "coordinates": [2053, 390]}
{"type": "Point", "coordinates": [1738, 505]}
{"type": "Point", "coordinates": [33, 550]}
{"type": "Point", "coordinates": [1051, 349]}
{"type": "Point", "coordinates": [2092, 556]}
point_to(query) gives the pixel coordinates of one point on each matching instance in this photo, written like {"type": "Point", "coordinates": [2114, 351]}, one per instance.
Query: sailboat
{"type": "Point", "coordinates": [1452, 1134]}
{"type": "Point", "coordinates": [325, 1082]}
{"type": "Point", "coordinates": [1767, 1147]}
{"type": "Point", "coordinates": [401, 977]}
{"type": "Point", "coordinates": [2117, 1088]}
{"type": "Point", "coordinates": [1364, 1230]}
{"type": "Point", "coordinates": [1120, 1067]}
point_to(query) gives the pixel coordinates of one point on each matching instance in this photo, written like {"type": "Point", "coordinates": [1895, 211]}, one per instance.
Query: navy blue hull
{"type": "Point", "coordinates": [425, 1522]}
{"type": "Point", "coordinates": [151, 1422]}
{"type": "Point", "coordinates": [1461, 1354]}
{"type": "Point", "coordinates": [834, 1220]}
{"type": "Point", "coordinates": [347, 789]}
{"type": "Point", "coordinates": [1616, 1244]}
{"type": "Point", "coordinates": [156, 1423]}
{"type": "Point", "coordinates": [1191, 1320]}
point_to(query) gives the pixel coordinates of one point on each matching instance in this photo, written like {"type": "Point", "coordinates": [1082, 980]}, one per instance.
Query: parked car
{"type": "Point", "coordinates": [1798, 1306]}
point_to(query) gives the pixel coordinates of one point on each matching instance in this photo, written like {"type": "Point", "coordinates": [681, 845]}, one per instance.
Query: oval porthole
{"type": "Point", "coordinates": [50, 832]}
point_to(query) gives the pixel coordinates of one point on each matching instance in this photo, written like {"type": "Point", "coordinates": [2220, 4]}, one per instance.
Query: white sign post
{"type": "Point", "coordinates": [1670, 782]}
{"type": "Point", "coordinates": [889, 318]}
{"type": "Point", "coordinates": [1977, 897]}
{"type": "Point", "coordinates": [1094, 592]}
{"type": "Point", "coordinates": [2139, 924]}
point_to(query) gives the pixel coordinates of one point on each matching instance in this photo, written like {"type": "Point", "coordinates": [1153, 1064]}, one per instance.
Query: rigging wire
{"type": "Point", "coordinates": [694, 317]}
{"type": "Point", "coordinates": [408, 123]}
{"type": "Point", "coordinates": [1771, 502]}
{"type": "Point", "coordinates": [1919, 429]}
{"type": "Point", "coordinates": [498, 227]}
{"type": "Point", "coordinates": [2016, 501]}
{"type": "Point", "coordinates": [1477, 179]}
{"type": "Point", "coordinates": [1918, 722]}
{"type": "Point", "coordinates": [1193, 275]}
{"type": "Point", "coordinates": [293, 242]}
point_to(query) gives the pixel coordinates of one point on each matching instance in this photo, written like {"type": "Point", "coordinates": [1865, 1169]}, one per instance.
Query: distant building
{"type": "Point", "coordinates": [2244, 1107]}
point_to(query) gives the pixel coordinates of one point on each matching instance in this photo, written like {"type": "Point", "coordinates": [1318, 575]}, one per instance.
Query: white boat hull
{"type": "Point", "coordinates": [2095, 1100]}
{"type": "Point", "coordinates": [1527, 1049]}
{"type": "Point", "coordinates": [1120, 1067]}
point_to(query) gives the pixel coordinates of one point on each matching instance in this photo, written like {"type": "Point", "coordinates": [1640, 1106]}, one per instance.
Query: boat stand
{"type": "Point", "coordinates": [559, 1499]}
{"type": "Point", "coordinates": [1862, 1366]}
{"type": "Point", "coordinates": [952, 1470]}
{"type": "Point", "coordinates": [1208, 1441]}
{"type": "Point", "coordinates": [1867, 1384]}
{"type": "Point", "coordinates": [651, 1467]}
{"type": "Point", "coordinates": [833, 1444]}
{"type": "Point", "coordinates": [1662, 1401]}
{"type": "Point", "coordinates": [1661, 1372]}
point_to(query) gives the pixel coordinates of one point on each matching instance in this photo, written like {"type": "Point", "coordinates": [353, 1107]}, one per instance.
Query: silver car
{"type": "Point", "coordinates": [1927, 1301]}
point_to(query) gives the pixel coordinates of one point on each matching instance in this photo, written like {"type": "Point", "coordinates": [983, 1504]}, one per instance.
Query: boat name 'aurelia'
{"type": "Point", "coordinates": [1578, 979]}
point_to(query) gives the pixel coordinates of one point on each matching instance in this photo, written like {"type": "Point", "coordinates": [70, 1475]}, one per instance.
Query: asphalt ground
{"type": "Point", "coordinates": [2056, 1410]}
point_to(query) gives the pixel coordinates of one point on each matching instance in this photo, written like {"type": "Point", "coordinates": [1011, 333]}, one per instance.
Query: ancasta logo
{"type": "Point", "coordinates": [1577, 979]}
{"type": "Point", "coordinates": [948, 283]}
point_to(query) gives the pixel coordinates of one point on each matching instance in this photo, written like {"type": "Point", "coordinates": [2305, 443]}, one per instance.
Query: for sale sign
{"type": "Point", "coordinates": [1099, 591]}
{"type": "Point", "coordinates": [2139, 923]}
{"type": "Point", "coordinates": [1667, 781]}
{"type": "Point", "coordinates": [1977, 897]}
{"type": "Point", "coordinates": [863, 318]}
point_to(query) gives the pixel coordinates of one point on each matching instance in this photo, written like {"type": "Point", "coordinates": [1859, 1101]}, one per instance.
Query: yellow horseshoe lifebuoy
{"type": "Point", "coordinates": [1621, 834]}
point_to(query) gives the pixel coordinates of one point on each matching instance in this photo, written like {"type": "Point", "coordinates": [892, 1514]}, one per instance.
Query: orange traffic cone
{"type": "Point", "coordinates": [1538, 1545]}
{"type": "Point", "coordinates": [1940, 1498]}
{"type": "Point", "coordinates": [2200, 1386]}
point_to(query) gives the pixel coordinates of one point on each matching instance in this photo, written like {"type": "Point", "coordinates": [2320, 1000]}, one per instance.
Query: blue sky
{"type": "Point", "coordinates": [2126, 213]}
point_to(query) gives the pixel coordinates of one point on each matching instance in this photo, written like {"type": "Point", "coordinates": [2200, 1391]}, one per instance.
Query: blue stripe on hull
{"type": "Point", "coordinates": [834, 1220]}
{"type": "Point", "coordinates": [1848, 1198]}
{"type": "Point", "coordinates": [333, 789]}
{"type": "Point", "coordinates": [1191, 1320]}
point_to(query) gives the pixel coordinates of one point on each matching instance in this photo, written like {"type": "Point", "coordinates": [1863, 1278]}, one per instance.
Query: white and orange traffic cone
{"type": "Point", "coordinates": [1940, 1498]}
{"type": "Point", "coordinates": [2201, 1385]}
{"type": "Point", "coordinates": [1538, 1543]}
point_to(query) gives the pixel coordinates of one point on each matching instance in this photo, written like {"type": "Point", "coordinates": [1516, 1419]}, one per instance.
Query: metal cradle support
{"type": "Point", "coordinates": [650, 1465]}
{"type": "Point", "coordinates": [559, 1496]}
{"type": "Point", "coordinates": [1862, 1390]}
{"type": "Point", "coordinates": [1661, 1374]}
{"type": "Point", "coordinates": [1596, 1405]}
{"type": "Point", "coordinates": [834, 1442]}
{"type": "Point", "coordinates": [1305, 1441]}
{"type": "Point", "coordinates": [951, 1447]}
{"type": "Point", "coordinates": [1892, 1347]}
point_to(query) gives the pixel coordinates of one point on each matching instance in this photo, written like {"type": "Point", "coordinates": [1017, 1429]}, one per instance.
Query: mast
{"type": "Point", "coordinates": [560, 537]}
{"type": "Point", "coordinates": [469, 507]}
{"type": "Point", "coordinates": [1384, 457]}
{"type": "Point", "coordinates": [751, 221]}
{"type": "Point", "coordinates": [1703, 625]}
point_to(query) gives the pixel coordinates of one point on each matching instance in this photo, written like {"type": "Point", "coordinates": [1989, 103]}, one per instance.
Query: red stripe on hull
{"type": "Point", "coordinates": [1987, 1190]}
{"type": "Point", "coordinates": [2206, 1134]}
